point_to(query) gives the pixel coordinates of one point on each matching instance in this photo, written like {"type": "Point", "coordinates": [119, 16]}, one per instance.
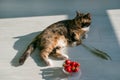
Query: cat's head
{"type": "Point", "coordinates": [83, 21]}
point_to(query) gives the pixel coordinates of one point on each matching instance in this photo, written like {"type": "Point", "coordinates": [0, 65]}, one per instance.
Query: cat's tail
{"type": "Point", "coordinates": [31, 47]}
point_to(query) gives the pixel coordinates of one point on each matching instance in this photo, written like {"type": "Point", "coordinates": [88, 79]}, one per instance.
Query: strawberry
{"type": "Point", "coordinates": [68, 69]}
{"type": "Point", "coordinates": [64, 65]}
{"type": "Point", "coordinates": [73, 63]}
{"type": "Point", "coordinates": [76, 69]}
{"type": "Point", "coordinates": [73, 68]}
{"type": "Point", "coordinates": [77, 65]}
{"type": "Point", "coordinates": [68, 61]}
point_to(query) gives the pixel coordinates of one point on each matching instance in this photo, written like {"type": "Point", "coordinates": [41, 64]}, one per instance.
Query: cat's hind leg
{"type": "Point", "coordinates": [57, 54]}
{"type": "Point", "coordinates": [44, 54]}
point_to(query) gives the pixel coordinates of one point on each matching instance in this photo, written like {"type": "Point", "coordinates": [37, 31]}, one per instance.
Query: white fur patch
{"type": "Point", "coordinates": [61, 43]}
{"type": "Point", "coordinates": [74, 44]}
{"type": "Point", "coordinates": [65, 55]}
{"type": "Point", "coordinates": [49, 60]}
{"type": "Point", "coordinates": [86, 28]}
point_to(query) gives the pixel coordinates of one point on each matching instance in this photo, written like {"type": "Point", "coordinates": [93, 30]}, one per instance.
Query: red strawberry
{"type": "Point", "coordinates": [68, 69]}
{"type": "Point", "coordinates": [77, 65]}
{"type": "Point", "coordinates": [68, 61]}
{"type": "Point", "coordinates": [73, 63]}
{"type": "Point", "coordinates": [64, 65]}
{"type": "Point", "coordinates": [76, 69]}
{"type": "Point", "coordinates": [73, 68]}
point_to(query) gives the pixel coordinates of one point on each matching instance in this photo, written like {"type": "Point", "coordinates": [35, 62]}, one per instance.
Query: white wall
{"type": "Point", "coordinates": [28, 8]}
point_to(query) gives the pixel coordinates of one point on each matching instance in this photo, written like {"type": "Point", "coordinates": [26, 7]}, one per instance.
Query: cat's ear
{"type": "Point", "coordinates": [88, 15]}
{"type": "Point", "coordinates": [78, 13]}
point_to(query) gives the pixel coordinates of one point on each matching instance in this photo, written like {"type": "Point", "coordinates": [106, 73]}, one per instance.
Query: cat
{"type": "Point", "coordinates": [57, 36]}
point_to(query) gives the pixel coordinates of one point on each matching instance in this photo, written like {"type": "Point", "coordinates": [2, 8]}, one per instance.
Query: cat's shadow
{"type": "Point", "coordinates": [21, 44]}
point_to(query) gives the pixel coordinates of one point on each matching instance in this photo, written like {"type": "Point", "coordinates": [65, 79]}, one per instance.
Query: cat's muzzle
{"type": "Point", "coordinates": [86, 29]}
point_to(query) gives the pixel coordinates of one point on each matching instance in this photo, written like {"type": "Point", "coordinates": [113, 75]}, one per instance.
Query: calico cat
{"type": "Point", "coordinates": [58, 35]}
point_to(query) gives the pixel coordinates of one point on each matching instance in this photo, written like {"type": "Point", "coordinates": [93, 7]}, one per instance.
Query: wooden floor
{"type": "Point", "coordinates": [16, 34]}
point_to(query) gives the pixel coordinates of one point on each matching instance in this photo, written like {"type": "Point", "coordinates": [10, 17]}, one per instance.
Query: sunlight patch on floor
{"type": "Point", "coordinates": [114, 16]}
{"type": "Point", "coordinates": [37, 21]}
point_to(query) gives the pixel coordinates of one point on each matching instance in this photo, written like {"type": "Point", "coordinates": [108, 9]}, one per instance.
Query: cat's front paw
{"type": "Point", "coordinates": [48, 62]}
{"type": "Point", "coordinates": [65, 56]}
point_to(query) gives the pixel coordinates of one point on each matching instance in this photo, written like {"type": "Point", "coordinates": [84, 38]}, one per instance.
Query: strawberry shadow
{"type": "Point", "coordinates": [53, 73]}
